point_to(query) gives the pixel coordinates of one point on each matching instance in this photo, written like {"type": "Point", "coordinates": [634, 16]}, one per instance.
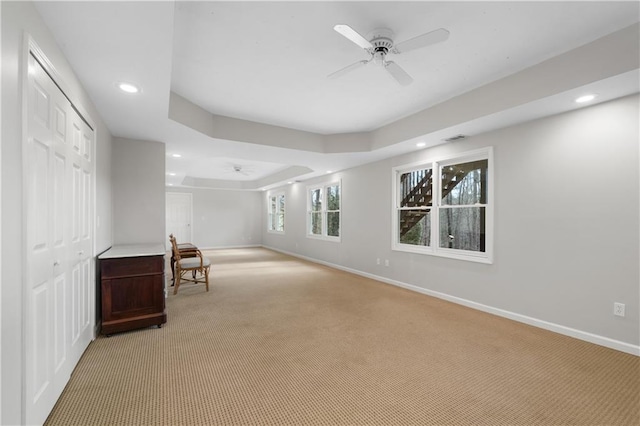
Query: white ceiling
{"type": "Point", "coordinates": [265, 63]}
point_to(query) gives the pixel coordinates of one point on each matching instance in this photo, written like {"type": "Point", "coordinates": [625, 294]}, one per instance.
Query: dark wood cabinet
{"type": "Point", "coordinates": [132, 288]}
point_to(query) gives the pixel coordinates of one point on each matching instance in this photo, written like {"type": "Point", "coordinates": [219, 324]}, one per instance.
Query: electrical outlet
{"type": "Point", "coordinates": [386, 262]}
{"type": "Point", "coordinates": [377, 261]}
{"type": "Point", "coordinates": [618, 309]}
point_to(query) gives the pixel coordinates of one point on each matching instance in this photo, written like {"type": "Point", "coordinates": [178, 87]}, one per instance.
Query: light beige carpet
{"type": "Point", "coordinates": [281, 341]}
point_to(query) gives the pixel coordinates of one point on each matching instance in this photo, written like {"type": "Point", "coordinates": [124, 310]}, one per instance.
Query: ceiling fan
{"type": "Point", "coordinates": [380, 43]}
{"type": "Point", "coordinates": [241, 170]}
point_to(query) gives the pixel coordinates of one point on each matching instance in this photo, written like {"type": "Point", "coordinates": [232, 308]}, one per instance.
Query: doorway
{"type": "Point", "coordinates": [179, 216]}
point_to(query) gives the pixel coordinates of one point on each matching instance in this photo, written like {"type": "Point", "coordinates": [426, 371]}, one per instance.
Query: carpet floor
{"type": "Point", "coordinates": [281, 341]}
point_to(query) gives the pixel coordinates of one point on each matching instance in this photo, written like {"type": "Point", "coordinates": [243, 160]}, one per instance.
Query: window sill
{"type": "Point", "coordinates": [324, 238]}
{"type": "Point", "coordinates": [469, 256]}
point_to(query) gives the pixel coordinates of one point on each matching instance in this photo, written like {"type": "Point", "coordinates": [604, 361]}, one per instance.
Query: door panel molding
{"type": "Point", "coordinates": [179, 216]}
{"type": "Point", "coordinates": [58, 297]}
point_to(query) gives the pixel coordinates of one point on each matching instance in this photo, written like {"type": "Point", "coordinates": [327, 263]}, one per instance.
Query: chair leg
{"type": "Point", "coordinates": [206, 278]}
{"type": "Point", "coordinates": [177, 281]}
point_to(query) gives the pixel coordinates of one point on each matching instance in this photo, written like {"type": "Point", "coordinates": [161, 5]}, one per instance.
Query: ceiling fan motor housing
{"type": "Point", "coordinates": [382, 41]}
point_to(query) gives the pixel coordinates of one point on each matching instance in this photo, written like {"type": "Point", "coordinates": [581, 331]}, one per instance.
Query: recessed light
{"type": "Point", "coordinates": [289, 182]}
{"type": "Point", "coordinates": [128, 87]}
{"type": "Point", "coordinates": [171, 174]}
{"type": "Point", "coordinates": [585, 98]}
{"type": "Point", "coordinates": [176, 155]}
{"type": "Point", "coordinates": [421, 144]}
{"type": "Point", "coordinates": [329, 171]}
{"type": "Point", "coordinates": [169, 184]}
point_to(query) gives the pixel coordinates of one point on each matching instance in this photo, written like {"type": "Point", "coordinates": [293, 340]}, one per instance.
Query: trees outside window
{"type": "Point", "coordinates": [333, 210]}
{"type": "Point", "coordinates": [324, 203]}
{"type": "Point", "coordinates": [447, 212]}
{"type": "Point", "coordinates": [276, 213]}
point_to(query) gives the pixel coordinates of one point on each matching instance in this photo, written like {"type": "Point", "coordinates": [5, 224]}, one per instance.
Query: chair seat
{"type": "Point", "coordinates": [193, 262]}
{"type": "Point", "coordinates": [186, 246]}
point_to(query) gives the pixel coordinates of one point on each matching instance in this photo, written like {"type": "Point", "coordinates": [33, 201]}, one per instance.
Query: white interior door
{"type": "Point", "coordinates": [59, 290]}
{"type": "Point", "coordinates": [179, 215]}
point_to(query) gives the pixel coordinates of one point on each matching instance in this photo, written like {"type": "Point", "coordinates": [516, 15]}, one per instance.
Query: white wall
{"type": "Point", "coordinates": [104, 204]}
{"type": "Point", "coordinates": [138, 191]}
{"type": "Point", "coordinates": [566, 225]}
{"type": "Point", "coordinates": [18, 17]}
{"type": "Point", "coordinates": [225, 218]}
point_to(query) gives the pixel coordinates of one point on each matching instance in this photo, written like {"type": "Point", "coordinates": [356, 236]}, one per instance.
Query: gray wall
{"type": "Point", "coordinates": [225, 218]}
{"type": "Point", "coordinates": [138, 191]}
{"type": "Point", "coordinates": [104, 203]}
{"type": "Point", "coordinates": [18, 17]}
{"type": "Point", "coordinates": [566, 225]}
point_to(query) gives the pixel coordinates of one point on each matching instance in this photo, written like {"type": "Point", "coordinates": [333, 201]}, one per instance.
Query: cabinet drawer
{"type": "Point", "coordinates": [131, 266]}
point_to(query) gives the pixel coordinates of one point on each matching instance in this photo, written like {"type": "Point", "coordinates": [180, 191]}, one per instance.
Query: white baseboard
{"type": "Point", "coordinates": [557, 328]}
{"type": "Point", "coordinates": [231, 247]}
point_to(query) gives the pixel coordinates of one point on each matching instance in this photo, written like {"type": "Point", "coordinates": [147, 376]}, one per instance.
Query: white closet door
{"type": "Point", "coordinates": [79, 255]}
{"type": "Point", "coordinates": [179, 212]}
{"type": "Point", "coordinates": [59, 293]}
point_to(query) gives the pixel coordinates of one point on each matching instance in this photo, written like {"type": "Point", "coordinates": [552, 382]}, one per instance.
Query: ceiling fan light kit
{"type": "Point", "coordinates": [380, 44]}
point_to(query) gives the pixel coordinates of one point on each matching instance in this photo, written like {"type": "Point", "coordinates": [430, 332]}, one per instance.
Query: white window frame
{"type": "Point", "coordinates": [323, 212]}
{"type": "Point", "coordinates": [434, 248]}
{"type": "Point", "coordinates": [271, 213]}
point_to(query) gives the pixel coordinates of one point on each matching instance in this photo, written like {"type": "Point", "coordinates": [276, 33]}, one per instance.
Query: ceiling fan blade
{"type": "Point", "coordinates": [347, 69]}
{"type": "Point", "coordinates": [353, 35]}
{"type": "Point", "coordinates": [423, 40]}
{"type": "Point", "coordinates": [398, 73]}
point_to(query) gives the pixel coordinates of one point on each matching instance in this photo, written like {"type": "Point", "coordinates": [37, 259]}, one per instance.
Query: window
{"type": "Point", "coordinates": [276, 213]}
{"type": "Point", "coordinates": [444, 207]}
{"type": "Point", "coordinates": [324, 211]}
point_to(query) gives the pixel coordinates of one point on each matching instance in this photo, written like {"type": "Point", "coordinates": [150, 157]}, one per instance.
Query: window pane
{"type": "Point", "coordinates": [280, 207]}
{"type": "Point", "coordinates": [280, 222]}
{"type": "Point", "coordinates": [316, 224]}
{"type": "Point", "coordinates": [415, 227]}
{"type": "Point", "coordinates": [333, 224]}
{"type": "Point", "coordinates": [416, 188]}
{"type": "Point", "coordinates": [333, 197]}
{"type": "Point", "coordinates": [463, 228]}
{"type": "Point", "coordinates": [464, 183]}
{"type": "Point", "coordinates": [316, 199]}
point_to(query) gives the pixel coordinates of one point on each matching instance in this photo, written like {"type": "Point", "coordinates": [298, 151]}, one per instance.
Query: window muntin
{"type": "Point", "coordinates": [276, 213]}
{"type": "Point", "coordinates": [458, 223]}
{"type": "Point", "coordinates": [324, 211]}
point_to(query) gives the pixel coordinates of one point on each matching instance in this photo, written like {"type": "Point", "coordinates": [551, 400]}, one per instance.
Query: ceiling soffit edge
{"type": "Point", "coordinates": [609, 56]}
{"type": "Point", "coordinates": [606, 57]}
{"type": "Point", "coordinates": [275, 179]}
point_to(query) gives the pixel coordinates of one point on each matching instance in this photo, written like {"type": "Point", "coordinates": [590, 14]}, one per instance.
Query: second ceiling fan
{"type": "Point", "coordinates": [381, 43]}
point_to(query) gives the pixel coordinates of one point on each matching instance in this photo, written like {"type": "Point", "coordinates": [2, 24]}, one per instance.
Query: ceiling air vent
{"type": "Point", "coordinates": [455, 138]}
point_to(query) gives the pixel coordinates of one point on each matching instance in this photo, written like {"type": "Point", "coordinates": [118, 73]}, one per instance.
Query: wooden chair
{"type": "Point", "coordinates": [185, 249]}
{"type": "Point", "coordinates": [196, 263]}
